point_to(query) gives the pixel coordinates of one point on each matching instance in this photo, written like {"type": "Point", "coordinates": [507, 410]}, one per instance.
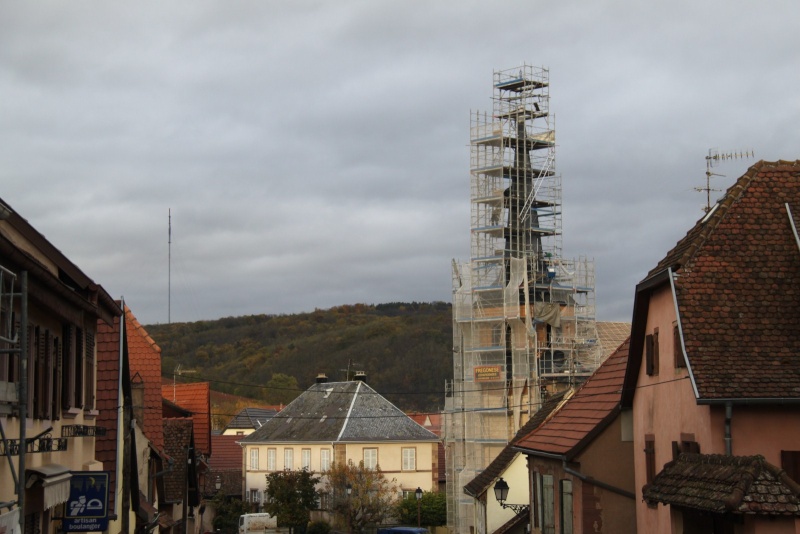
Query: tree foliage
{"type": "Point", "coordinates": [432, 507]}
{"type": "Point", "coordinates": [405, 349]}
{"type": "Point", "coordinates": [372, 498]}
{"type": "Point", "coordinates": [227, 512]}
{"type": "Point", "coordinates": [290, 497]}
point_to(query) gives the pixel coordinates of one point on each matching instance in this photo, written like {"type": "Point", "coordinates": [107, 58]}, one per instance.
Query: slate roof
{"type": "Point", "coordinates": [593, 406]}
{"type": "Point", "coordinates": [145, 361]}
{"type": "Point", "coordinates": [737, 280]}
{"type": "Point", "coordinates": [725, 484]}
{"type": "Point", "coordinates": [196, 398]}
{"type": "Point", "coordinates": [340, 411]}
{"type": "Point", "coordinates": [495, 469]}
{"type": "Point", "coordinates": [250, 418]}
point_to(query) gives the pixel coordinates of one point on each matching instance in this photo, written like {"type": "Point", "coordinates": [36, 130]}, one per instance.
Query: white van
{"type": "Point", "coordinates": [256, 523]}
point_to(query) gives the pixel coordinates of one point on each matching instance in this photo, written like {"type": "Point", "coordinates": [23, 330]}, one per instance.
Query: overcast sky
{"type": "Point", "coordinates": [316, 153]}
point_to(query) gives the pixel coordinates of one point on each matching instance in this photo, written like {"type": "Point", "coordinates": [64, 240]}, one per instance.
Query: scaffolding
{"type": "Point", "coordinates": [523, 316]}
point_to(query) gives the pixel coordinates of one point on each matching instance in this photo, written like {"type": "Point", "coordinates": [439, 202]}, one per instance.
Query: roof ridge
{"type": "Point", "coordinates": [129, 316]}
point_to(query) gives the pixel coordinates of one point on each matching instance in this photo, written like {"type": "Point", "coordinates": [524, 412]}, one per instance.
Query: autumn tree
{"type": "Point", "coordinates": [290, 496]}
{"type": "Point", "coordinates": [371, 497]}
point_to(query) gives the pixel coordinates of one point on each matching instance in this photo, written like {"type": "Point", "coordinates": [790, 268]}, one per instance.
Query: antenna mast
{"type": "Point", "coordinates": [169, 269]}
{"type": "Point", "coordinates": [713, 159]}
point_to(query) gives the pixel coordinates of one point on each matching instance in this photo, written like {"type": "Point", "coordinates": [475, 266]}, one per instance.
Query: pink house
{"type": "Point", "coordinates": [713, 377]}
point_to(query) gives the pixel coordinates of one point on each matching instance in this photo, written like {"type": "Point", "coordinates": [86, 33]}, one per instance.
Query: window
{"type": "Point", "coordinates": [88, 382]}
{"type": "Point", "coordinates": [651, 353]}
{"type": "Point", "coordinates": [790, 462]}
{"type": "Point", "coordinates": [680, 362]}
{"type": "Point", "coordinates": [686, 444]}
{"type": "Point", "coordinates": [324, 461]}
{"type": "Point", "coordinates": [288, 458]}
{"type": "Point", "coordinates": [566, 506]}
{"type": "Point", "coordinates": [409, 459]}
{"type": "Point", "coordinates": [323, 501]}
{"type": "Point", "coordinates": [271, 454]}
{"type": "Point", "coordinates": [548, 505]}
{"type": "Point", "coordinates": [370, 458]}
{"type": "Point", "coordinates": [650, 457]}
{"type": "Point", "coordinates": [254, 458]}
{"type": "Point", "coordinates": [72, 378]}
{"type": "Point", "coordinates": [305, 459]}
{"type": "Point", "coordinates": [252, 496]}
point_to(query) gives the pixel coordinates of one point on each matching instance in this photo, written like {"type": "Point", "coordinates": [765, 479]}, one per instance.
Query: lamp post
{"type": "Point", "coordinates": [349, 489]}
{"type": "Point", "coordinates": [218, 483]}
{"type": "Point", "coordinates": [501, 494]}
{"type": "Point", "coordinates": [418, 495]}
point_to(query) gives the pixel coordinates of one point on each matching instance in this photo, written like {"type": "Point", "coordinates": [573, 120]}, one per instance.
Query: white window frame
{"type": "Point", "coordinates": [271, 459]}
{"type": "Point", "coordinates": [370, 457]}
{"type": "Point", "coordinates": [288, 459]}
{"type": "Point", "coordinates": [409, 455]}
{"type": "Point", "coordinates": [305, 459]}
{"type": "Point", "coordinates": [254, 458]}
{"type": "Point", "coordinates": [324, 460]}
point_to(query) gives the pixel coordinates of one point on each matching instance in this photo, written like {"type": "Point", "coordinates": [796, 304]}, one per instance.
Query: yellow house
{"type": "Point", "coordinates": [341, 422]}
{"type": "Point", "coordinates": [49, 311]}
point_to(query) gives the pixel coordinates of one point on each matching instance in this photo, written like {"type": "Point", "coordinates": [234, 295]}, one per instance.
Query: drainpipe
{"type": "Point", "coordinates": [728, 438]}
{"type": "Point", "coordinates": [593, 482]}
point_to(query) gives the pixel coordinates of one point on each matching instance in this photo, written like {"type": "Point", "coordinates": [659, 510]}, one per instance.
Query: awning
{"type": "Point", "coordinates": [54, 480]}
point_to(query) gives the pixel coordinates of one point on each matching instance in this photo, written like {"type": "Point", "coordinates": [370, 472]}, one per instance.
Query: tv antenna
{"type": "Point", "coordinates": [712, 160]}
{"type": "Point", "coordinates": [179, 371]}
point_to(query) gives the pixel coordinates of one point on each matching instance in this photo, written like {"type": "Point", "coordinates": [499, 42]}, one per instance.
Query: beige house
{"type": "Point", "coordinates": [341, 422]}
{"type": "Point", "coordinates": [49, 311]}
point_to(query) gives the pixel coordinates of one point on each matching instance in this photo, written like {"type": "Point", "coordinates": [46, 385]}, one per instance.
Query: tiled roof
{"type": "Point", "coordinates": [340, 411]}
{"type": "Point", "coordinates": [725, 484]}
{"type": "Point", "coordinates": [107, 399]}
{"type": "Point", "coordinates": [738, 288]}
{"type": "Point", "coordinates": [197, 399]}
{"type": "Point", "coordinates": [589, 410]}
{"type": "Point", "coordinates": [145, 361]}
{"type": "Point", "coordinates": [177, 439]}
{"type": "Point", "coordinates": [251, 418]}
{"type": "Point", "coordinates": [227, 453]}
{"type": "Point", "coordinates": [519, 520]}
{"type": "Point", "coordinates": [430, 420]}
{"type": "Point", "coordinates": [486, 478]}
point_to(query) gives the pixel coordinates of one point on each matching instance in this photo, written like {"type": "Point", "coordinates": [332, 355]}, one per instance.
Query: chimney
{"type": "Point", "coordinates": [321, 378]}
{"type": "Point", "coordinates": [361, 376]}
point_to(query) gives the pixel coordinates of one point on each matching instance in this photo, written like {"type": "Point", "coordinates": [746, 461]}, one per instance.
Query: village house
{"type": "Point", "coordinates": [49, 311]}
{"type": "Point", "coordinates": [580, 460]}
{"type": "Point", "coordinates": [341, 422]}
{"type": "Point", "coordinates": [713, 378]}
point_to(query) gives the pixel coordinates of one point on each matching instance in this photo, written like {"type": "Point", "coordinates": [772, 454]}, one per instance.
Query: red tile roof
{"type": "Point", "coordinates": [197, 399]}
{"type": "Point", "coordinates": [589, 410]}
{"type": "Point", "coordinates": [227, 453]}
{"type": "Point", "coordinates": [737, 281]}
{"type": "Point", "coordinates": [145, 364]}
{"type": "Point", "coordinates": [107, 398]}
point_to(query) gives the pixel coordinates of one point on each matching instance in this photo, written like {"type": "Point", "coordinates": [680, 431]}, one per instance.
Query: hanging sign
{"type": "Point", "coordinates": [87, 507]}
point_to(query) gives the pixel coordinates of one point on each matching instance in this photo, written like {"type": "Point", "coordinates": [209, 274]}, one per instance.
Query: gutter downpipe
{"type": "Point", "coordinates": [728, 438]}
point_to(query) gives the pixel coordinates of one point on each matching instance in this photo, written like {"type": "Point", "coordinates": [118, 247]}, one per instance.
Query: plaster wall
{"type": "Point", "coordinates": [516, 476]}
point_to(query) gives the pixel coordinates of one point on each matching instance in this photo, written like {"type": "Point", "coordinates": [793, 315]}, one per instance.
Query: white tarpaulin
{"type": "Point", "coordinates": [55, 483]}
{"type": "Point", "coordinates": [9, 522]}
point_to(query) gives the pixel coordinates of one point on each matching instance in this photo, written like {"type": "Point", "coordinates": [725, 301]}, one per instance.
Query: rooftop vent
{"type": "Point", "coordinates": [361, 376]}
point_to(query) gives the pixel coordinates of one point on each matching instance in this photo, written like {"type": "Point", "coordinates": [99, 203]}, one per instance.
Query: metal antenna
{"type": "Point", "coordinates": [713, 159]}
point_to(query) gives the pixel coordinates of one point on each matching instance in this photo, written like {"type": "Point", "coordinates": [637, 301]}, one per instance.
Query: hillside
{"type": "Point", "coordinates": [405, 349]}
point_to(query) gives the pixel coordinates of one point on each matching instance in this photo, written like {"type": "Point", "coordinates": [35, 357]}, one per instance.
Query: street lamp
{"type": "Point", "coordinates": [418, 495]}
{"type": "Point", "coordinates": [218, 483]}
{"type": "Point", "coordinates": [349, 489]}
{"type": "Point", "coordinates": [501, 494]}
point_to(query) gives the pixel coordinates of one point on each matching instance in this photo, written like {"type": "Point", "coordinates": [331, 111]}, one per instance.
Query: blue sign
{"type": "Point", "coordinates": [87, 507]}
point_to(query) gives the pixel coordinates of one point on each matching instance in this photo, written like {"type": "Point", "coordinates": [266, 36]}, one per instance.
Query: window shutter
{"type": "Point", "coordinates": [648, 352]}
{"type": "Point", "coordinates": [676, 341]}
{"type": "Point", "coordinates": [89, 389]}
{"type": "Point", "coordinates": [57, 378]}
{"type": "Point", "coordinates": [650, 457]}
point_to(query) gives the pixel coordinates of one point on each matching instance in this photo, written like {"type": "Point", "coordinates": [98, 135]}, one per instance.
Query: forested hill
{"type": "Point", "coordinates": [405, 349]}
